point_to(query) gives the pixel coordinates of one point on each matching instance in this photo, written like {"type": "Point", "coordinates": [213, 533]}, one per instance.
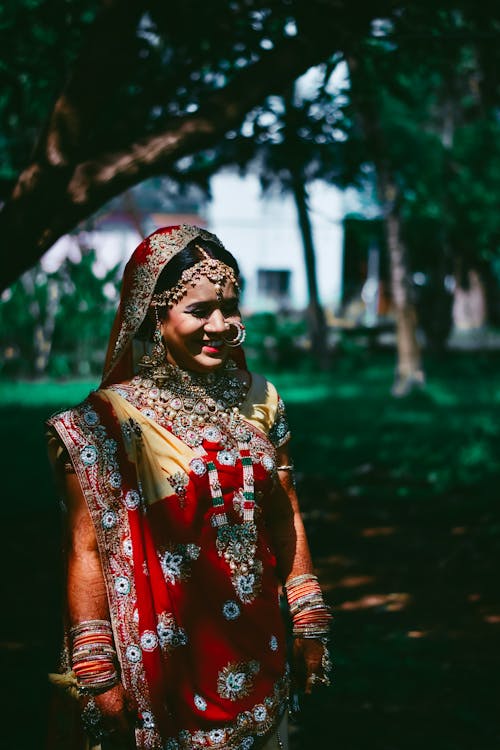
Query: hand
{"type": "Point", "coordinates": [112, 716]}
{"type": "Point", "coordinates": [309, 664]}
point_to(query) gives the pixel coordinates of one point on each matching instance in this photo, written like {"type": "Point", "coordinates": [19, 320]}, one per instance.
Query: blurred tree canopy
{"type": "Point", "coordinates": [99, 96]}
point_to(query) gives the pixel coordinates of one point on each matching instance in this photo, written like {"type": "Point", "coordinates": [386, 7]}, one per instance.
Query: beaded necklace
{"type": "Point", "coordinates": [198, 407]}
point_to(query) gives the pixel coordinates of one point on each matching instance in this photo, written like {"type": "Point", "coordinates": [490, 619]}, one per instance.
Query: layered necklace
{"type": "Point", "coordinates": [205, 407]}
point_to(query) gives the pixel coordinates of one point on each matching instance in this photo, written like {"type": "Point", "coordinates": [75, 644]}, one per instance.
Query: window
{"type": "Point", "coordinates": [273, 283]}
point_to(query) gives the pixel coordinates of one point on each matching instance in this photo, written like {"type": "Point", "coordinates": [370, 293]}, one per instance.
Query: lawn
{"type": "Point", "coordinates": [399, 497]}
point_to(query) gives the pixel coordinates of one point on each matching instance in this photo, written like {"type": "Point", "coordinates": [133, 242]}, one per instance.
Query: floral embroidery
{"type": "Point", "coordinates": [268, 462]}
{"type": "Point", "coordinates": [127, 547]}
{"type": "Point", "coordinates": [109, 519]}
{"type": "Point", "coordinates": [198, 467]}
{"type": "Point", "coordinates": [147, 720]}
{"type": "Point", "coordinates": [231, 610]}
{"type": "Point", "coordinates": [260, 712]}
{"type": "Point", "coordinates": [115, 480]}
{"type": "Point", "coordinates": [91, 417]}
{"type": "Point", "coordinates": [200, 703]}
{"type": "Point", "coordinates": [217, 736]}
{"type": "Point", "coordinates": [122, 585]}
{"type": "Point", "coordinates": [279, 433]}
{"type": "Point", "coordinates": [149, 641]}
{"type": "Point", "coordinates": [132, 499]}
{"type": "Point", "coordinates": [226, 458]}
{"type": "Point", "coordinates": [133, 653]}
{"type": "Point", "coordinates": [171, 744]}
{"type": "Point", "coordinates": [235, 681]}
{"type": "Point", "coordinates": [171, 636]}
{"type": "Point", "coordinates": [273, 643]}
{"type": "Point", "coordinates": [175, 563]}
{"type": "Point", "coordinates": [237, 544]}
{"type": "Point", "coordinates": [89, 455]}
{"type": "Point", "coordinates": [246, 743]}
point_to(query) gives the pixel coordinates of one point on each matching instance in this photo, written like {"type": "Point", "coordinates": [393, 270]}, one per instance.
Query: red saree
{"type": "Point", "coordinates": [200, 639]}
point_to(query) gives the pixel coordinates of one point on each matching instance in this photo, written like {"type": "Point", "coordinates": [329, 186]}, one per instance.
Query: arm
{"type": "Point", "coordinates": [294, 559]}
{"type": "Point", "coordinates": [86, 591]}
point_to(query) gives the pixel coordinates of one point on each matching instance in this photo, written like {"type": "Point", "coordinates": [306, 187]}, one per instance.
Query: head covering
{"type": "Point", "coordinates": [139, 281]}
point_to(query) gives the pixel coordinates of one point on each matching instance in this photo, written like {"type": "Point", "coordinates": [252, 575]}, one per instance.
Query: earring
{"type": "Point", "coordinates": [158, 355]}
{"type": "Point", "coordinates": [240, 333]}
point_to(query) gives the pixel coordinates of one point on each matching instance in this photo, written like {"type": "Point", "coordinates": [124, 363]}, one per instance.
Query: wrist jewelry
{"type": "Point", "coordinates": [93, 657]}
{"type": "Point", "coordinates": [311, 617]}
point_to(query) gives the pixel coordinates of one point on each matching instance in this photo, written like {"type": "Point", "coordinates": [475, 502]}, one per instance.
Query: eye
{"type": "Point", "coordinates": [230, 308]}
{"type": "Point", "coordinates": [198, 312]}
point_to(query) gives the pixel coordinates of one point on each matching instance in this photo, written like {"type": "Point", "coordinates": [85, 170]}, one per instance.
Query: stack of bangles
{"type": "Point", "coordinates": [311, 618]}
{"type": "Point", "coordinates": [93, 656]}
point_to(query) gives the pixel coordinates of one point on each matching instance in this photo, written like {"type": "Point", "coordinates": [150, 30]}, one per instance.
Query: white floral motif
{"type": "Point", "coordinates": [260, 712]}
{"type": "Point", "coordinates": [171, 636]}
{"type": "Point", "coordinates": [115, 480]}
{"type": "Point", "coordinates": [132, 499]}
{"type": "Point", "coordinates": [171, 564]}
{"type": "Point", "coordinates": [231, 610]}
{"type": "Point", "coordinates": [147, 720]}
{"type": "Point", "coordinates": [133, 654]}
{"type": "Point", "coordinates": [212, 434]}
{"type": "Point", "coordinates": [273, 643]}
{"type": "Point", "coordinates": [149, 413]}
{"type": "Point", "coordinates": [109, 519]}
{"type": "Point", "coordinates": [122, 585]}
{"type": "Point", "coordinates": [267, 462]}
{"type": "Point", "coordinates": [149, 641]}
{"type": "Point", "coordinates": [200, 703]}
{"type": "Point", "coordinates": [226, 458]}
{"type": "Point", "coordinates": [89, 455]}
{"type": "Point", "coordinates": [127, 547]}
{"type": "Point", "coordinates": [217, 736]}
{"type": "Point", "coordinates": [246, 743]}
{"type": "Point", "coordinates": [235, 681]}
{"type": "Point", "coordinates": [193, 551]}
{"type": "Point", "coordinates": [171, 744]}
{"type": "Point", "coordinates": [198, 467]}
{"type": "Point", "coordinates": [91, 417]}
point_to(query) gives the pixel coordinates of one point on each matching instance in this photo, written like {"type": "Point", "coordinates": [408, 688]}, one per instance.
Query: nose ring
{"type": "Point", "coordinates": [240, 333]}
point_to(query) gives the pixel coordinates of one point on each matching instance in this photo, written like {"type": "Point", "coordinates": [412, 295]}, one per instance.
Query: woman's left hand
{"type": "Point", "coordinates": [309, 664]}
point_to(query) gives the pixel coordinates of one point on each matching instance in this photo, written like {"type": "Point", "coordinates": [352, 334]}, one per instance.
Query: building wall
{"type": "Point", "coordinates": [263, 233]}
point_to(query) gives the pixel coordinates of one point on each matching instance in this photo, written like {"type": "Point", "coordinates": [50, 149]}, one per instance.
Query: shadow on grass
{"type": "Point", "coordinates": [400, 502]}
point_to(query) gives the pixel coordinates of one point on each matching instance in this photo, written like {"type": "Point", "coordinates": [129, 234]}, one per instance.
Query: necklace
{"type": "Point", "coordinates": [197, 408]}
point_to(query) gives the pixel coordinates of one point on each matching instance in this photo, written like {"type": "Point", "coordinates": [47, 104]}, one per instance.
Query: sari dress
{"type": "Point", "coordinates": [197, 626]}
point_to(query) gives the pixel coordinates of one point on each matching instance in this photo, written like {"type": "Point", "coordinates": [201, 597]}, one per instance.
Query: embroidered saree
{"type": "Point", "coordinates": [200, 640]}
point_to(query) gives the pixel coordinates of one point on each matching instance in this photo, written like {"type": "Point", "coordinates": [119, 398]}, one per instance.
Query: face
{"type": "Point", "coordinates": [194, 328]}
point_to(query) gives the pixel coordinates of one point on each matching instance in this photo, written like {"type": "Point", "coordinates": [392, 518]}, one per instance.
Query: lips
{"type": "Point", "coordinates": [213, 346]}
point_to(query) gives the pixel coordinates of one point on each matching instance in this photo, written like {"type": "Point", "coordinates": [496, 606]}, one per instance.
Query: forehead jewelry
{"type": "Point", "coordinates": [217, 272]}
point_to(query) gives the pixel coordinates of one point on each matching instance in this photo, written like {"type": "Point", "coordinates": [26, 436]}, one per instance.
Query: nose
{"type": "Point", "coordinates": [216, 323]}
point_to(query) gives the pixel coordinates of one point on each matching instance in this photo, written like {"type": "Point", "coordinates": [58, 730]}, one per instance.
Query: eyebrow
{"type": "Point", "coordinates": [209, 303]}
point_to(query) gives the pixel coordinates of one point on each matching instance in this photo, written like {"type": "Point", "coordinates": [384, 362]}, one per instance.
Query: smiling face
{"type": "Point", "coordinates": [194, 329]}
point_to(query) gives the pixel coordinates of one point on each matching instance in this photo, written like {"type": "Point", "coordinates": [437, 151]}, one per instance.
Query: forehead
{"type": "Point", "coordinates": [204, 291]}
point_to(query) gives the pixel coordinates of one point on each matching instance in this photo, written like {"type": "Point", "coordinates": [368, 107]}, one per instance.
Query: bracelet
{"type": "Point", "coordinates": [93, 657]}
{"type": "Point", "coordinates": [285, 467]}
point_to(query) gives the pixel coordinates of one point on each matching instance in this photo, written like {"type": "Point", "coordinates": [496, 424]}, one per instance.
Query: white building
{"type": "Point", "coordinates": [261, 231]}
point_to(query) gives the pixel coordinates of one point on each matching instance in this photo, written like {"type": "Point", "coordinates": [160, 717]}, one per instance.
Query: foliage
{"type": "Point", "coordinates": [82, 305]}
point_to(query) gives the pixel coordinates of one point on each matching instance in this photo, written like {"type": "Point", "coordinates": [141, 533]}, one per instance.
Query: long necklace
{"type": "Point", "coordinates": [198, 407]}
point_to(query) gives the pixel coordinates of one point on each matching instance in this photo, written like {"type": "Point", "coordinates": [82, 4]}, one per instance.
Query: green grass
{"type": "Point", "coordinates": [345, 424]}
{"type": "Point", "coordinates": [400, 503]}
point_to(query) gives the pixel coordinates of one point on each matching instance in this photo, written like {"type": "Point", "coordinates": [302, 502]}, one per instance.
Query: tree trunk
{"type": "Point", "coordinates": [315, 314]}
{"type": "Point", "coordinates": [409, 372]}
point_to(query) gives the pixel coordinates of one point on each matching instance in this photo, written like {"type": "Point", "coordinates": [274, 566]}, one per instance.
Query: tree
{"type": "Point", "coordinates": [145, 91]}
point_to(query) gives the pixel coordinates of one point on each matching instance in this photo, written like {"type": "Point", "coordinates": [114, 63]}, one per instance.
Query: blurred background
{"type": "Point", "coordinates": [348, 154]}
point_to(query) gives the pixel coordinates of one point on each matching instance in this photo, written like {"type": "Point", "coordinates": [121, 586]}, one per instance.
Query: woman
{"type": "Point", "coordinates": [182, 521]}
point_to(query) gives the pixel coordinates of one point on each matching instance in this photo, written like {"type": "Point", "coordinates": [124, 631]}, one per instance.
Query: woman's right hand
{"type": "Point", "coordinates": [116, 718]}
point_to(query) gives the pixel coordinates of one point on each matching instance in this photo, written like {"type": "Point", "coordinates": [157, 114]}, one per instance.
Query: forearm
{"type": "Point", "coordinates": [288, 534]}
